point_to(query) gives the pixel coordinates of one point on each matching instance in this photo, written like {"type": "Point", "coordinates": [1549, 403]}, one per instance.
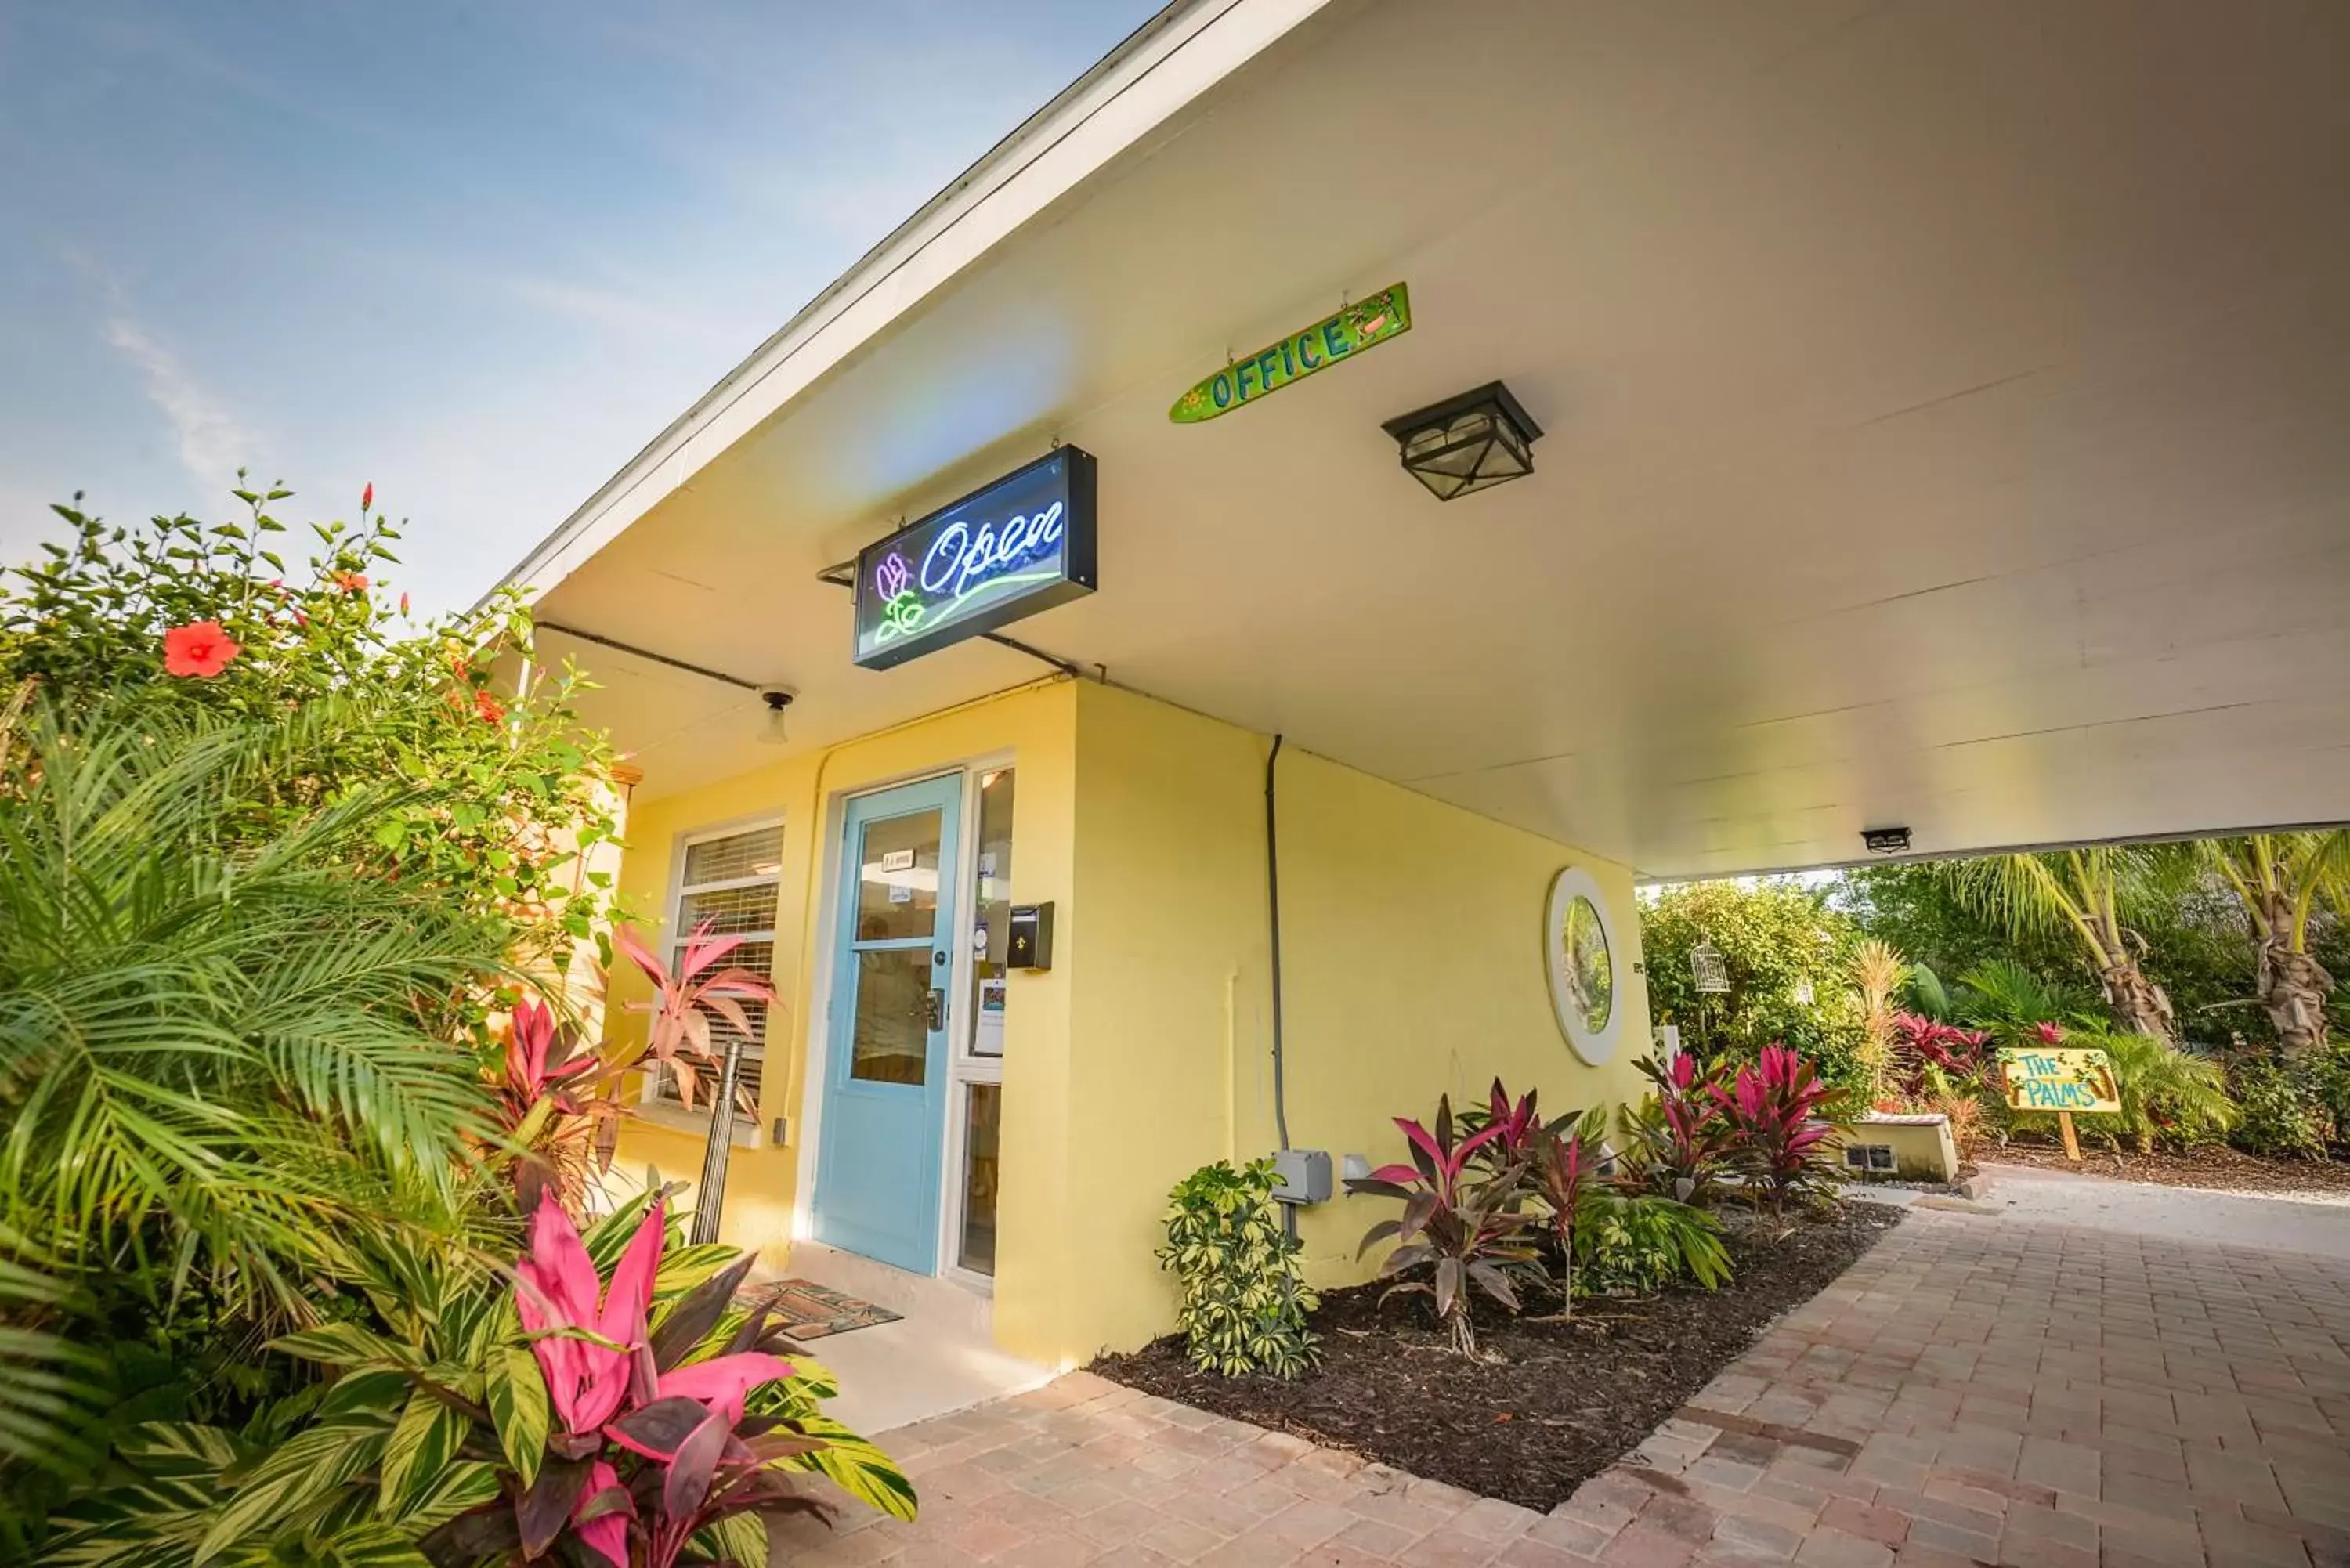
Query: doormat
{"type": "Point", "coordinates": [805, 1310]}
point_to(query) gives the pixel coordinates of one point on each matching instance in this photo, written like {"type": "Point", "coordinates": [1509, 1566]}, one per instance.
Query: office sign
{"type": "Point", "coordinates": [1022, 543]}
{"type": "Point", "coordinates": [2058, 1078]}
{"type": "Point", "coordinates": [1387, 313]}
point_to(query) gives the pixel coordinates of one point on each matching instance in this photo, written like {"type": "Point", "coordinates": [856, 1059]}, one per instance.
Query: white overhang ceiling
{"type": "Point", "coordinates": [1945, 407]}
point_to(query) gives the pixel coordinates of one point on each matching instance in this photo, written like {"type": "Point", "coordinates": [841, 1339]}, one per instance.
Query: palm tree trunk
{"type": "Point", "coordinates": [2139, 1006]}
{"type": "Point", "coordinates": [2293, 984]}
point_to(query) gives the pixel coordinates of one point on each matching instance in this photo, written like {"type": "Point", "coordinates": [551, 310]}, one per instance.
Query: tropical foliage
{"type": "Point", "coordinates": [1241, 1304]}
{"type": "Point", "coordinates": [1674, 1138]}
{"type": "Point", "coordinates": [1559, 1158]}
{"type": "Point", "coordinates": [2165, 1093]}
{"type": "Point", "coordinates": [1630, 1244]}
{"type": "Point", "coordinates": [1931, 1059]}
{"type": "Point", "coordinates": [1775, 1111]}
{"type": "Point", "coordinates": [2088, 895]}
{"type": "Point", "coordinates": [2278, 1112]}
{"type": "Point", "coordinates": [683, 1003]}
{"type": "Point", "coordinates": [554, 1103]}
{"type": "Point", "coordinates": [1879, 974]}
{"type": "Point", "coordinates": [495, 798]}
{"type": "Point", "coordinates": [224, 1058]}
{"type": "Point", "coordinates": [1788, 951]}
{"type": "Point", "coordinates": [289, 897]}
{"type": "Point", "coordinates": [1502, 1197]}
{"type": "Point", "coordinates": [611, 1406]}
{"type": "Point", "coordinates": [1463, 1222]}
{"type": "Point", "coordinates": [2286, 883]}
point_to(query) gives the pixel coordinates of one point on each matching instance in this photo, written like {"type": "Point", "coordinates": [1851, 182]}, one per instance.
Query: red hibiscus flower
{"type": "Point", "coordinates": [351, 582]}
{"type": "Point", "coordinates": [200, 649]}
{"type": "Point", "coordinates": [487, 707]}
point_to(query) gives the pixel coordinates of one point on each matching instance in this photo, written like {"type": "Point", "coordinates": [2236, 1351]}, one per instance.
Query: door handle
{"type": "Point", "coordinates": [938, 1010]}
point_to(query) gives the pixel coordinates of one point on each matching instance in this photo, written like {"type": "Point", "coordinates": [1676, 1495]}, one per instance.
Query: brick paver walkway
{"type": "Point", "coordinates": [1974, 1391]}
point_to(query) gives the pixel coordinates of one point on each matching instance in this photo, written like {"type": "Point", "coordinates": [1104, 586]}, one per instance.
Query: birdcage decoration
{"type": "Point", "coordinates": [1712, 975]}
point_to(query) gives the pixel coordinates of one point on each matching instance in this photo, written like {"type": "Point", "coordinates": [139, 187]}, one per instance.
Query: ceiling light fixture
{"type": "Point", "coordinates": [1885, 840]}
{"type": "Point", "coordinates": [1480, 438]}
{"type": "Point", "coordinates": [777, 698]}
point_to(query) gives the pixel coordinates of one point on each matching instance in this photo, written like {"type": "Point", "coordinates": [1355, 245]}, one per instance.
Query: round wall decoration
{"type": "Point", "coordinates": [1579, 941]}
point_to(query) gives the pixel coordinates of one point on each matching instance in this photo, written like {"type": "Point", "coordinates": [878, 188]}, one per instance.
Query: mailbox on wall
{"type": "Point", "coordinates": [1031, 943]}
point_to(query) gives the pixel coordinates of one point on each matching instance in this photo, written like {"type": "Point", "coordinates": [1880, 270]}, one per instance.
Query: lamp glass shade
{"type": "Point", "coordinates": [1467, 443]}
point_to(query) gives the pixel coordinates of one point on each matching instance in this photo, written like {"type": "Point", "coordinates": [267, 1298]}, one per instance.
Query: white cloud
{"type": "Point", "coordinates": [212, 442]}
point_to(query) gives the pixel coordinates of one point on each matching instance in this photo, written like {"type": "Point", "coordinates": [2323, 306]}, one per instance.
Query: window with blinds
{"type": "Point", "coordinates": [731, 880]}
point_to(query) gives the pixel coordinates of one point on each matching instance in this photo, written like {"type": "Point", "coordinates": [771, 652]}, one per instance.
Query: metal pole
{"type": "Point", "coordinates": [712, 1190]}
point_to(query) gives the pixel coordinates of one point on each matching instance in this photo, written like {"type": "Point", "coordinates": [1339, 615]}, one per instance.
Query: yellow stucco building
{"type": "Point", "coordinates": [1413, 965]}
{"type": "Point", "coordinates": [1585, 453]}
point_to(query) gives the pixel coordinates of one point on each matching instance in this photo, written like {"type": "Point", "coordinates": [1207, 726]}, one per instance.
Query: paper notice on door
{"type": "Point", "coordinates": [901, 894]}
{"type": "Point", "coordinates": [987, 1037]}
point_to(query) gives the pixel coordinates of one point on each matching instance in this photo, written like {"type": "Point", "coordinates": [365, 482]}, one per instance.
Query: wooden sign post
{"type": "Point", "coordinates": [2062, 1079]}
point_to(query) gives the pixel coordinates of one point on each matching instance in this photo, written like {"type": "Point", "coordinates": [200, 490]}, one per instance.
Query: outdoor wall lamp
{"type": "Point", "coordinates": [1885, 840]}
{"type": "Point", "coordinates": [1468, 442]}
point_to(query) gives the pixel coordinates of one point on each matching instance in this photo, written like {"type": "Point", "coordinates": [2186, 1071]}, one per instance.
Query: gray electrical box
{"type": "Point", "coordinates": [1302, 1176]}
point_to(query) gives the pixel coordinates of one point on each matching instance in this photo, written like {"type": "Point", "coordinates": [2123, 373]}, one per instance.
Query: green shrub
{"type": "Point", "coordinates": [271, 854]}
{"type": "Point", "coordinates": [1241, 1306]}
{"type": "Point", "coordinates": [2280, 1112]}
{"type": "Point", "coordinates": [224, 1064]}
{"type": "Point", "coordinates": [2172, 1097]}
{"type": "Point", "coordinates": [1635, 1246]}
{"type": "Point", "coordinates": [1788, 956]}
{"type": "Point", "coordinates": [2165, 1093]}
{"type": "Point", "coordinates": [493, 793]}
{"type": "Point", "coordinates": [483, 1421]}
{"type": "Point", "coordinates": [2329, 1084]}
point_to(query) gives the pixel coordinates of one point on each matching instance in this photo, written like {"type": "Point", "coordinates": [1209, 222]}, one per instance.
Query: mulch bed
{"type": "Point", "coordinates": [2218, 1167]}
{"type": "Point", "coordinates": [1562, 1401]}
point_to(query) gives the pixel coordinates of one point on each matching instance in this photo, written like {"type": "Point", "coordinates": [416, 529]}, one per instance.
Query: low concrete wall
{"type": "Point", "coordinates": [1923, 1149]}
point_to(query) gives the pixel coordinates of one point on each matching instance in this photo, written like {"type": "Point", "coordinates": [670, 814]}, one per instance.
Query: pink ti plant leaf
{"type": "Point", "coordinates": [684, 1000]}
{"type": "Point", "coordinates": [587, 1350]}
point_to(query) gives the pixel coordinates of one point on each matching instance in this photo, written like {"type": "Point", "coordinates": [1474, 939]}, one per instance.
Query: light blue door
{"type": "Point", "coordinates": [877, 1186]}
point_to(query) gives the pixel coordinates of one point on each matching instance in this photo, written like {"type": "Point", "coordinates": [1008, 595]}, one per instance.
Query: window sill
{"type": "Point", "coordinates": [743, 1134]}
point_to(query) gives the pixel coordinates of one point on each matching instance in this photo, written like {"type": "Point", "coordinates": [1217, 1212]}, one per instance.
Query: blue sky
{"type": "Point", "coordinates": [476, 252]}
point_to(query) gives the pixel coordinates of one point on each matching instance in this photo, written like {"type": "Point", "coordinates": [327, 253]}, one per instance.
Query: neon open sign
{"type": "Point", "coordinates": [1022, 543]}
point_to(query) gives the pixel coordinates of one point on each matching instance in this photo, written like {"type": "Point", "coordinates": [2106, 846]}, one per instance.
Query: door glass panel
{"type": "Point", "coordinates": [983, 1110]}
{"type": "Point", "coordinates": [898, 878]}
{"type": "Point", "coordinates": [991, 934]}
{"type": "Point", "coordinates": [891, 1041]}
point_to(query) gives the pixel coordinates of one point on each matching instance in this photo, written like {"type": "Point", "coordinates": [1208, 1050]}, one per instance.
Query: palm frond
{"type": "Point", "coordinates": [210, 1043]}
{"type": "Point", "coordinates": [1927, 994]}
{"type": "Point", "coordinates": [2026, 894]}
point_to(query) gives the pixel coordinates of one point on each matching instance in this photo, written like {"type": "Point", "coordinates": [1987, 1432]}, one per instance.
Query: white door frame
{"type": "Point", "coordinates": [962, 1069]}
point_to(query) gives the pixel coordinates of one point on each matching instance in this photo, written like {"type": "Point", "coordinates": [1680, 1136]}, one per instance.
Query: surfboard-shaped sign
{"type": "Point", "coordinates": [1303, 353]}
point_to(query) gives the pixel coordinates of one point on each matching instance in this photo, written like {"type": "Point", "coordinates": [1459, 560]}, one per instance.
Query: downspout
{"type": "Point", "coordinates": [1272, 902]}
{"type": "Point", "coordinates": [1272, 911]}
